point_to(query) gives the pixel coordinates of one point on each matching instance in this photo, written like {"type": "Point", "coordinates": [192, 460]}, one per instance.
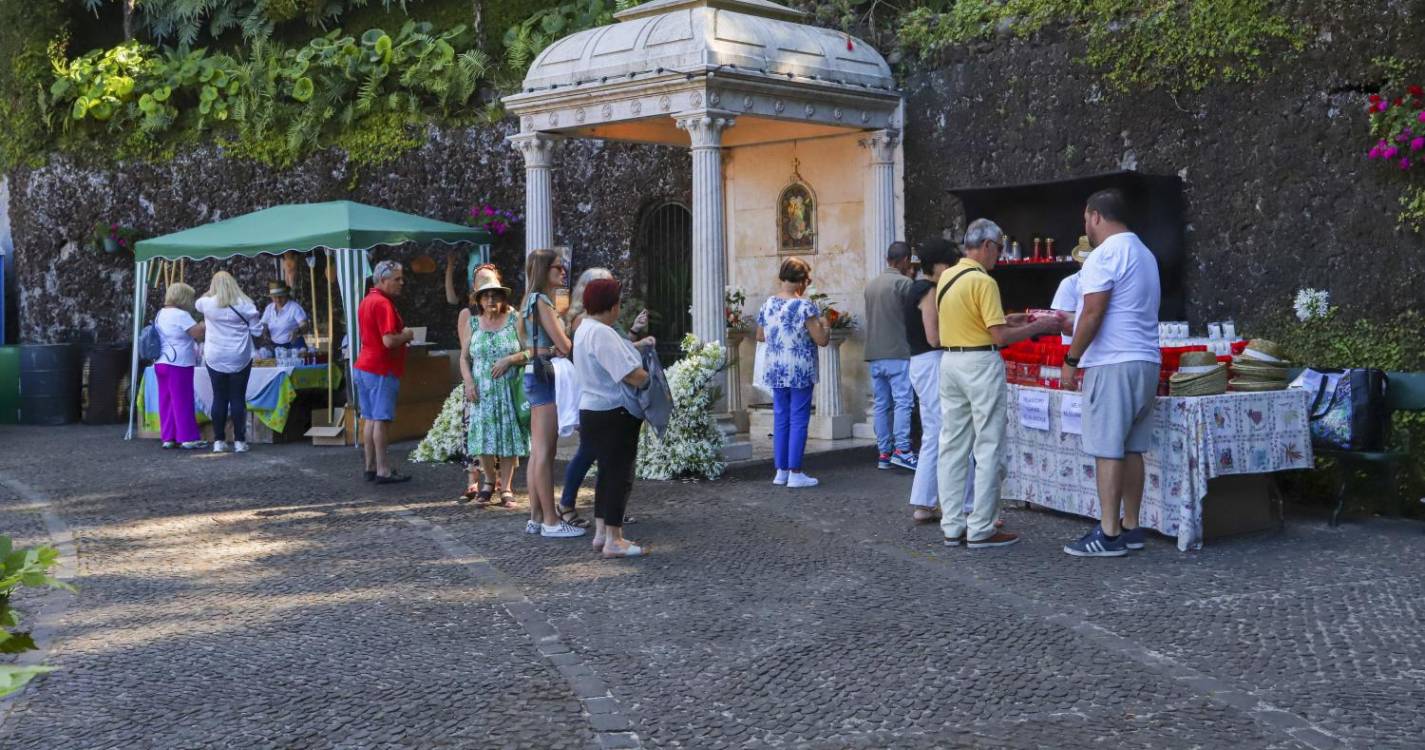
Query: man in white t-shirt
{"type": "Point", "coordinates": [1116, 342]}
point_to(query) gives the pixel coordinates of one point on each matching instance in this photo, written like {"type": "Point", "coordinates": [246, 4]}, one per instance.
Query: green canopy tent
{"type": "Point", "coordinates": [345, 229]}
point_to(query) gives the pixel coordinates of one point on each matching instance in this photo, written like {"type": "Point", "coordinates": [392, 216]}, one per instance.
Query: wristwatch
{"type": "Point", "coordinates": [1071, 361]}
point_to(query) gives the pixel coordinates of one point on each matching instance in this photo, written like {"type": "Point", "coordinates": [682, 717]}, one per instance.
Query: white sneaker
{"type": "Point", "coordinates": [798, 479]}
{"type": "Point", "coordinates": [561, 531]}
{"type": "Point", "coordinates": [531, 527]}
{"type": "Point", "coordinates": [219, 446]}
{"type": "Point", "coordinates": [240, 447]}
{"type": "Point", "coordinates": [781, 477]}
{"type": "Point", "coordinates": [170, 444]}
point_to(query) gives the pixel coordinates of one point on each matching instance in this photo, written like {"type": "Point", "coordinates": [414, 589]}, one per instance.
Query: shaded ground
{"type": "Point", "coordinates": [275, 600]}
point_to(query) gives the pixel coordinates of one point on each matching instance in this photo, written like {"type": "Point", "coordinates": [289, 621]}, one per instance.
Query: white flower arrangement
{"type": "Point", "coordinates": [1311, 304]}
{"type": "Point", "coordinates": [446, 440]}
{"type": "Point", "coordinates": [692, 444]}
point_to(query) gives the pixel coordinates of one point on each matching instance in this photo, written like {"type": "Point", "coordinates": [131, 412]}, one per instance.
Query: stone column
{"type": "Point", "coordinates": [704, 128]}
{"type": "Point", "coordinates": [538, 151]}
{"type": "Point", "coordinates": [881, 225]}
{"type": "Point", "coordinates": [881, 213]}
{"type": "Point", "coordinates": [829, 420]}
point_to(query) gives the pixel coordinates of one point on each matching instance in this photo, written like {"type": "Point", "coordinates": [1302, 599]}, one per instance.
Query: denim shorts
{"type": "Point", "coordinates": [376, 395]}
{"type": "Point", "coordinates": [538, 392]}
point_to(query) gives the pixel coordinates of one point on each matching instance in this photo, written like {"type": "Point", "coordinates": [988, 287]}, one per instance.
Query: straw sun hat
{"type": "Point", "coordinates": [1199, 374]}
{"type": "Point", "coordinates": [1081, 251]}
{"type": "Point", "coordinates": [1262, 366]}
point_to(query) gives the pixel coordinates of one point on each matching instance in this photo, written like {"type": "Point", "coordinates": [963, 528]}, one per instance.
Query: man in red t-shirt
{"type": "Point", "coordinates": [379, 367]}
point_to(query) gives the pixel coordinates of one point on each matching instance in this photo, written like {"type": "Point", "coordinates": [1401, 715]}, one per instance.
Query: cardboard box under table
{"type": "Point", "coordinates": [1207, 471]}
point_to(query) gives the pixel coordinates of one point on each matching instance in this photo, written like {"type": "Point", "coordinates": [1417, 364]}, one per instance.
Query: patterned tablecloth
{"type": "Point", "coordinates": [270, 392]}
{"type": "Point", "coordinates": [1194, 440]}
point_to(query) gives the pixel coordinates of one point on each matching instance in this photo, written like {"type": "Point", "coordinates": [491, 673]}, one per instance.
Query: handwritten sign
{"type": "Point", "coordinates": [1034, 409]}
{"type": "Point", "coordinates": [1071, 414]}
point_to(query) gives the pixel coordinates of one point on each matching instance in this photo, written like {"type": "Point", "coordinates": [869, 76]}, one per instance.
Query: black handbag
{"type": "Point", "coordinates": [542, 364]}
{"type": "Point", "coordinates": [1348, 409]}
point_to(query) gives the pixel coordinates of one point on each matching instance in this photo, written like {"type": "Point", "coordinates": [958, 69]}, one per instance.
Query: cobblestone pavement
{"type": "Point", "coordinates": [274, 600]}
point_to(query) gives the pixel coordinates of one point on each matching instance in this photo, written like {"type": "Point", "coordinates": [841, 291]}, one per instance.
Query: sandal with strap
{"type": "Point", "coordinates": [470, 493]}
{"type": "Point", "coordinates": [487, 491]}
{"type": "Point", "coordinates": [507, 500]}
{"type": "Point", "coordinates": [571, 516]}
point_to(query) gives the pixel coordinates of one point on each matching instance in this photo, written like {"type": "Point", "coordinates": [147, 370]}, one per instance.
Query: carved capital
{"type": "Point", "coordinates": [705, 126]}
{"type": "Point", "coordinates": [537, 148]}
{"type": "Point", "coordinates": [882, 144]}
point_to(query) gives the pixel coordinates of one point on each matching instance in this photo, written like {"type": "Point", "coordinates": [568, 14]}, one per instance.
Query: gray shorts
{"type": "Point", "coordinates": [1118, 408]}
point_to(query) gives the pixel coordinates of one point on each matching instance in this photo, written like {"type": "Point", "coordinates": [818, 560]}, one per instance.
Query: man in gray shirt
{"type": "Point", "coordinates": [888, 355]}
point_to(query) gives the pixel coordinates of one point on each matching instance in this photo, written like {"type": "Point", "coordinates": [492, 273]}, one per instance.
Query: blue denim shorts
{"type": "Point", "coordinates": [538, 392]}
{"type": "Point", "coordinates": [376, 395]}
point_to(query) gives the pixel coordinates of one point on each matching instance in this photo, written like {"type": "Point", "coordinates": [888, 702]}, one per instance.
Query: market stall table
{"type": "Point", "coordinates": [270, 393]}
{"type": "Point", "coordinates": [1195, 439]}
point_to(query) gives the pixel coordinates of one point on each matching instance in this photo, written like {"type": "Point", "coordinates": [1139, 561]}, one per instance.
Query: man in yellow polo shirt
{"type": "Point", "coordinates": [973, 327]}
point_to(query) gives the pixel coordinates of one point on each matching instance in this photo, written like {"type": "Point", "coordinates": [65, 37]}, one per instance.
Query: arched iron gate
{"type": "Point", "coordinates": [665, 249]}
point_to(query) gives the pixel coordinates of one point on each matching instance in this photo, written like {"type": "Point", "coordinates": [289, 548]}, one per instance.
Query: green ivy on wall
{"type": "Point", "coordinates": [277, 103]}
{"type": "Point", "coordinates": [1138, 44]}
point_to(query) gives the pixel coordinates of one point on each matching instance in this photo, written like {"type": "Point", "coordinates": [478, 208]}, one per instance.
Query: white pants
{"type": "Point", "coordinates": [925, 378]}
{"type": "Point", "coordinates": [973, 399]}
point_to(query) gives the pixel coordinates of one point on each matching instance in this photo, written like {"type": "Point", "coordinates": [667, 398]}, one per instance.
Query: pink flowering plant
{"type": "Point", "coordinates": [112, 236]}
{"type": "Point", "coordinates": [497, 220]}
{"type": "Point", "coordinates": [1398, 129]}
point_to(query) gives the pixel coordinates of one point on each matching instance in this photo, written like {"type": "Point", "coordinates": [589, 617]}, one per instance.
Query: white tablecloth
{"type": "Point", "coordinates": [257, 382]}
{"type": "Point", "coordinates": [1194, 440]}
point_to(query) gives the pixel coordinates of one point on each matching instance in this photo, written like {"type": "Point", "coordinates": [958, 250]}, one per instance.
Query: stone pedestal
{"type": "Point", "coordinates": [736, 406]}
{"type": "Point", "coordinates": [829, 420]}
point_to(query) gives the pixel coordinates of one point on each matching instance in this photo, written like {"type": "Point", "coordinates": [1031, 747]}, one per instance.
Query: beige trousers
{"type": "Point", "coordinates": [973, 399]}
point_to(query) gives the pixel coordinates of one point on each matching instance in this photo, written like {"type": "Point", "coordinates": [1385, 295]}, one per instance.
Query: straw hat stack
{"type": "Point", "coordinates": [1199, 374]}
{"type": "Point", "coordinates": [1262, 366]}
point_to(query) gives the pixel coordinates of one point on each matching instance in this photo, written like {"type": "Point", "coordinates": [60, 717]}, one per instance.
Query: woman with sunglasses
{"type": "Point", "coordinates": [545, 272]}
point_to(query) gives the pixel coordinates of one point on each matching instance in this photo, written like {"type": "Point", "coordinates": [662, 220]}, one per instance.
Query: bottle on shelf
{"type": "Point", "coordinates": [1049, 249]}
{"type": "Point", "coordinates": [1038, 248]}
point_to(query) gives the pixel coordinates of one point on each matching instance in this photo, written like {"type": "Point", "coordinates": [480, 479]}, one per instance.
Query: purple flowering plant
{"type": "Point", "coordinates": [1397, 126]}
{"type": "Point", "coordinates": [497, 220]}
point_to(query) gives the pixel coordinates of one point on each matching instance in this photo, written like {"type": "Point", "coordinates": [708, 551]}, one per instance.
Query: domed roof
{"type": "Point", "coordinates": [743, 38]}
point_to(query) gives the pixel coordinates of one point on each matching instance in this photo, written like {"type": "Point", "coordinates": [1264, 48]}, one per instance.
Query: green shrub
{"type": "Point", "coordinates": [28, 567]}
{"type": "Point", "coordinates": [1392, 344]}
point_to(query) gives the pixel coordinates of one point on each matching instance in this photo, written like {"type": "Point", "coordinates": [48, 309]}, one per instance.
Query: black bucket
{"type": "Point", "coordinates": [50, 376]}
{"type": "Point", "coordinates": [106, 370]}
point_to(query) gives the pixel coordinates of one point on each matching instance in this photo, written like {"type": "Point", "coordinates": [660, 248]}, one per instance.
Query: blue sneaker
{"type": "Point", "coordinates": [904, 460]}
{"type": "Point", "coordinates": [1097, 544]}
{"type": "Point", "coordinates": [883, 461]}
{"type": "Point", "coordinates": [1134, 538]}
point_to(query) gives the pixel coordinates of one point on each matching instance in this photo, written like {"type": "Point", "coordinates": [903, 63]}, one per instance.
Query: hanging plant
{"type": "Point", "coordinates": [112, 237]}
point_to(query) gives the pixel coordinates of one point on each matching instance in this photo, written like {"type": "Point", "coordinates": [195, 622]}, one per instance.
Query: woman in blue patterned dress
{"type": "Point", "coordinates": [792, 328]}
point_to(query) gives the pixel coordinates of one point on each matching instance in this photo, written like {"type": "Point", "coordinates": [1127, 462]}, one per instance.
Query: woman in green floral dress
{"type": "Point", "coordinates": [492, 369]}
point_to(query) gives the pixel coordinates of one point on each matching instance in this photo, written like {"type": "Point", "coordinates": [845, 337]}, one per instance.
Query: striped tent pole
{"type": "Point", "coordinates": [351, 272]}
{"type": "Point", "coordinates": [140, 300]}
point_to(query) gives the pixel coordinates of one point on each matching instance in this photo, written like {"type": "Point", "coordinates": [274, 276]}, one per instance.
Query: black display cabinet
{"type": "Point", "coordinates": [1056, 209]}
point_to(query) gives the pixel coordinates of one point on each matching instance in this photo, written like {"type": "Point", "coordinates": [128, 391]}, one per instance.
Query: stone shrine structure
{"type": "Point", "coordinates": [794, 132]}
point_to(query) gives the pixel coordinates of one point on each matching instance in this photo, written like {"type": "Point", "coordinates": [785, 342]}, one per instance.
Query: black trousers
{"type": "Point", "coordinates": [613, 436]}
{"type": "Point", "coordinates": [230, 398]}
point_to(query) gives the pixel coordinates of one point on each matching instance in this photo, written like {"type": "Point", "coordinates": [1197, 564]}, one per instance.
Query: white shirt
{"type": "Point", "coordinates": [1066, 299]}
{"type": "Point", "coordinates": [227, 345]}
{"type": "Point", "coordinates": [281, 324]}
{"type": "Point", "coordinates": [1125, 267]}
{"type": "Point", "coordinates": [178, 347]}
{"type": "Point", "coordinates": [602, 358]}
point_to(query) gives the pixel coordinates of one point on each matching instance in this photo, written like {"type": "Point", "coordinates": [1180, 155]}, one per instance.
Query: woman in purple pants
{"type": "Point", "coordinates": [179, 334]}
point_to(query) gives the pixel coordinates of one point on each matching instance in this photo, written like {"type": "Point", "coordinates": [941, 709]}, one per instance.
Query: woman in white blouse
{"type": "Point", "coordinates": [283, 320]}
{"type": "Point", "coordinates": [606, 361]}
{"type": "Point", "coordinates": [178, 335]}
{"type": "Point", "coordinates": [232, 322]}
